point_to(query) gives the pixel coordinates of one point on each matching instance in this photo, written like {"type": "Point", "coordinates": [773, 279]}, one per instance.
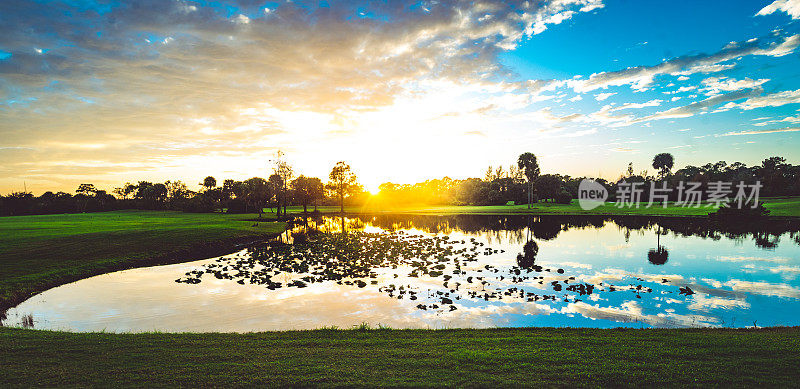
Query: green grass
{"type": "Point", "coordinates": [536, 357]}
{"type": "Point", "coordinates": [778, 207]}
{"type": "Point", "coordinates": [38, 252]}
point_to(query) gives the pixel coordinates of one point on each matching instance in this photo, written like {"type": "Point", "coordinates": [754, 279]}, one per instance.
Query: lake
{"type": "Point", "coordinates": [453, 272]}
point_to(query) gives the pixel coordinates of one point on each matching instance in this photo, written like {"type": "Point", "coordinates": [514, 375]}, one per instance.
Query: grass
{"type": "Point", "coordinates": [533, 357]}
{"type": "Point", "coordinates": [38, 252]}
{"type": "Point", "coordinates": [784, 206]}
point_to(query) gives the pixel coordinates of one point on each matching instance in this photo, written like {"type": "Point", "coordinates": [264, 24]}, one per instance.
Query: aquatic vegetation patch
{"type": "Point", "coordinates": [437, 270]}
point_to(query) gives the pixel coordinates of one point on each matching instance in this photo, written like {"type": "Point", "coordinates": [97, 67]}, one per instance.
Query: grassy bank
{"type": "Point", "coordinates": [497, 357]}
{"type": "Point", "coordinates": [782, 207]}
{"type": "Point", "coordinates": [38, 252]}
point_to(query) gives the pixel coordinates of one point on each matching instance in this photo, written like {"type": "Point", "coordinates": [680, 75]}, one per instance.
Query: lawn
{"type": "Point", "coordinates": [38, 252]}
{"type": "Point", "coordinates": [533, 357]}
{"type": "Point", "coordinates": [778, 207]}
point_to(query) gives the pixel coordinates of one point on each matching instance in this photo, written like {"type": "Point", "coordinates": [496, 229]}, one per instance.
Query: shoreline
{"type": "Point", "coordinates": [209, 249]}
{"type": "Point", "coordinates": [198, 251]}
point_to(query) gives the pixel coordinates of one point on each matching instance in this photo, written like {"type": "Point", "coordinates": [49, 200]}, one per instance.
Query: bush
{"type": "Point", "coordinates": [237, 206]}
{"type": "Point", "coordinates": [564, 198]}
{"type": "Point", "coordinates": [727, 212]}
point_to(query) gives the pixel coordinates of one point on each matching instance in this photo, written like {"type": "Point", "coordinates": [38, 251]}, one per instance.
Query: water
{"type": "Point", "coordinates": [587, 272]}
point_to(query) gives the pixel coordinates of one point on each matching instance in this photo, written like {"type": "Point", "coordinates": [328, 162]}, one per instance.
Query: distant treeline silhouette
{"type": "Point", "coordinates": [764, 233]}
{"type": "Point", "coordinates": [520, 184]}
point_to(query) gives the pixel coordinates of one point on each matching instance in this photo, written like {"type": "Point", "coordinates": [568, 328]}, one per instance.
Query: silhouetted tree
{"type": "Point", "coordinates": [255, 192]}
{"type": "Point", "coordinates": [530, 167]}
{"type": "Point", "coordinates": [209, 183]}
{"type": "Point", "coordinates": [663, 162]}
{"type": "Point", "coordinates": [548, 186]}
{"type": "Point", "coordinates": [84, 191]}
{"type": "Point", "coordinates": [275, 183]}
{"type": "Point", "coordinates": [285, 172]}
{"type": "Point", "coordinates": [342, 182]}
{"type": "Point", "coordinates": [307, 190]}
{"type": "Point", "coordinates": [527, 258]}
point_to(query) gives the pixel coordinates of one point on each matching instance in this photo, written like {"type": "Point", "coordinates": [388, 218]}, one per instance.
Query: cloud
{"type": "Point", "coordinates": [725, 258]}
{"type": "Point", "coordinates": [651, 103]}
{"type": "Point", "coordinates": [770, 100]}
{"type": "Point", "coordinates": [716, 85]}
{"type": "Point", "coordinates": [791, 7]}
{"type": "Point", "coordinates": [147, 73]}
{"type": "Point", "coordinates": [603, 96]}
{"type": "Point", "coordinates": [759, 132]}
{"type": "Point", "coordinates": [692, 109]}
{"type": "Point", "coordinates": [702, 302]}
{"type": "Point", "coordinates": [764, 288]}
{"type": "Point", "coordinates": [631, 311]}
{"type": "Point", "coordinates": [640, 77]}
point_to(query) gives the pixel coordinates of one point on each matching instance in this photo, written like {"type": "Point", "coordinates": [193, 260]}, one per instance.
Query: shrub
{"type": "Point", "coordinates": [564, 197]}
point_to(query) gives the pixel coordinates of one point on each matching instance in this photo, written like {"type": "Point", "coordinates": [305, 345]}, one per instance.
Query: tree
{"type": "Point", "coordinates": [285, 172]}
{"type": "Point", "coordinates": [275, 184]}
{"type": "Point", "coordinates": [152, 195]}
{"type": "Point", "coordinates": [342, 182]}
{"type": "Point", "coordinates": [548, 186]}
{"type": "Point", "coordinates": [530, 168]}
{"type": "Point", "coordinates": [85, 190]}
{"type": "Point", "coordinates": [209, 183]}
{"type": "Point", "coordinates": [774, 175]}
{"type": "Point", "coordinates": [316, 190]}
{"type": "Point", "coordinates": [177, 193]}
{"type": "Point", "coordinates": [663, 162]}
{"type": "Point", "coordinates": [125, 191]}
{"type": "Point", "coordinates": [229, 188]}
{"type": "Point", "coordinates": [256, 191]}
{"type": "Point", "coordinates": [307, 190]}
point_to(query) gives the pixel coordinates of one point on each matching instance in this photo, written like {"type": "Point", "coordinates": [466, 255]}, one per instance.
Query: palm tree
{"type": "Point", "coordinates": [663, 162]}
{"type": "Point", "coordinates": [660, 254]}
{"type": "Point", "coordinates": [528, 164]}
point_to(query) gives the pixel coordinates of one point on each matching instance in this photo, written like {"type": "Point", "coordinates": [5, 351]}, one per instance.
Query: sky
{"type": "Point", "coordinates": [108, 92]}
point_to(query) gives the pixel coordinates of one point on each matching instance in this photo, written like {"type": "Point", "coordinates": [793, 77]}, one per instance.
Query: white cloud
{"type": "Point", "coordinates": [760, 132]}
{"type": "Point", "coordinates": [791, 7]}
{"type": "Point", "coordinates": [640, 77]}
{"type": "Point", "coordinates": [770, 100]}
{"type": "Point", "coordinates": [651, 103]}
{"type": "Point", "coordinates": [603, 96]}
{"type": "Point", "coordinates": [716, 85]}
{"type": "Point", "coordinates": [703, 302]}
{"type": "Point", "coordinates": [701, 106]}
{"type": "Point", "coordinates": [631, 311]}
{"type": "Point", "coordinates": [764, 288]}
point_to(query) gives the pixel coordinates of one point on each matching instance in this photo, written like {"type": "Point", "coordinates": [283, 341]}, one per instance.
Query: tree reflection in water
{"type": "Point", "coordinates": [659, 255]}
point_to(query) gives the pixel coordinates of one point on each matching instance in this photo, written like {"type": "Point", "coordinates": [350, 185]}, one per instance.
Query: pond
{"type": "Point", "coordinates": [453, 272]}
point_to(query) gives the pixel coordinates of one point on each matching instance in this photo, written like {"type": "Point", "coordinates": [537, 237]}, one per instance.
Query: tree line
{"type": "Point", "coordinates": [519, 183]}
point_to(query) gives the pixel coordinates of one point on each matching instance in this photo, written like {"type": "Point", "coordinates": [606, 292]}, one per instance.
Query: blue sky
{"type": "Point", "coordinates": [108, 92]}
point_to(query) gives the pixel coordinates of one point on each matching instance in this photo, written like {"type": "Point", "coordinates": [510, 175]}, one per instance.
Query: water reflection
{"type": "Point", "coordinates": [659, 255]}
{"type": "Point", "coordinates": [464, 271]}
